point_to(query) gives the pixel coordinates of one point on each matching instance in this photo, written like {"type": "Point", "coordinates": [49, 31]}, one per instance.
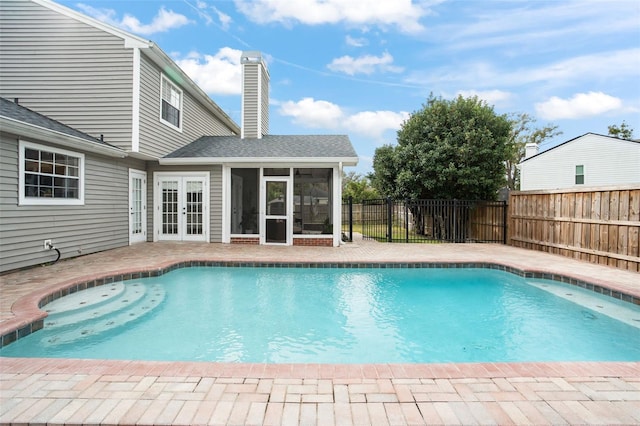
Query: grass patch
{"type": "Point", "coordinates": [398, 233]}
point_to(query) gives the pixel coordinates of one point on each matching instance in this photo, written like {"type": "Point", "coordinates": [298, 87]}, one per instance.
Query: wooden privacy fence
{"type": "Point", "coordinates": [599, 225]}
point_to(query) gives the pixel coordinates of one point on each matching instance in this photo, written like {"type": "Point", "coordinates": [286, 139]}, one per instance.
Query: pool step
{"type": "Point", "coordinates": [90, 298]}
{"type": "Point", "coordinates": [136, 300]}
{"type": "Point", "coordinates": [96, 303]}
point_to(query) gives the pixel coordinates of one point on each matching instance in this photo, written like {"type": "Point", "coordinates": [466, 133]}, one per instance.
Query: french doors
{"type": "Point", "coordinates": [137, 206]}
{"type": "Point", "coordinates": [181, 208]}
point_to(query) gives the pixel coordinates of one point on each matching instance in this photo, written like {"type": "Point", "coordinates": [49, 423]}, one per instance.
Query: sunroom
{"type": "Point", "coordinates": [281, 190]}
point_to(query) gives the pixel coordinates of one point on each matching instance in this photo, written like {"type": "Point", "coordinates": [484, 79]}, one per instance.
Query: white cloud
{"type": "Point", "coordinates": [375, 123]}
{"type": "Point", "coordinates": [218, 74]}
{"type": "Point", "coordinates": [225, 20]}
{"type": "Point", "coordinates": [403, 14]}
{"type": "Point", "coordinates": [313, 113]}
{"type": "Point", "coordinates": [492, 97]}
{"type": "Point", "coordinates": [103, 15]}
{"type": "Point", "coordinates": [356, 42]}
{"type": "Point", "coordinates": [579, 106]}
{"type": "Point", "coordinates": [201, 9]}
{"type": "Point", "coordinates": [605, 65]}
{"type": "Point", "coordinates": [367, 64]}
{"type": "Point", "coordinates": [565, 73]}
{"type": "Point", "coordinates": [536, 25]}
{"type": "Point", "coordinates": [165, 20]}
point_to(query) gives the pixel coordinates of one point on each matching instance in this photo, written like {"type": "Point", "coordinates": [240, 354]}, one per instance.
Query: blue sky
{"type": "Point", "coordinates": [360, 67]}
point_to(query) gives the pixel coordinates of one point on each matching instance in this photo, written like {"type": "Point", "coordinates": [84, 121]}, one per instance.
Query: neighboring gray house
{"type": "Point", "coordinates": [106, 124]}
{"type": "Point", "coordinates": [585, 161]}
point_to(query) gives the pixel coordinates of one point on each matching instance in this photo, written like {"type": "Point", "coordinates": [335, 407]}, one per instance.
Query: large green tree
{"type": "Point", "coordinates": [523, 133]}
{"type": "Point", "coordinates": [450, 149]}
{"type": "Point", "coordinates": [357, 186]}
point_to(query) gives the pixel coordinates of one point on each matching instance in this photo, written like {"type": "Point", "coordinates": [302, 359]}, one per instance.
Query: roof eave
{"type": "Point", "coordinates": [346, 161]}
{"type": "Point", "coordinates": [20, 128]}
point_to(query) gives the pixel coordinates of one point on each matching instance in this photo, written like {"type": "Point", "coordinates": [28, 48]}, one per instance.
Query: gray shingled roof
{"type": "Point", "coordinates": [17, 112]}
{"type": "Point", "coordinates": [270, 146]}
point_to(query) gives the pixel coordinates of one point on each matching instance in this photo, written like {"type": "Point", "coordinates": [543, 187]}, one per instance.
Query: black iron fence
{"type": "Point", "coordinates": [424, 221]}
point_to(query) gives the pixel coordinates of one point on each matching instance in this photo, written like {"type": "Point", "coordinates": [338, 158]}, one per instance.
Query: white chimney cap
{"type": "Point", "coordinates": [251, 57]}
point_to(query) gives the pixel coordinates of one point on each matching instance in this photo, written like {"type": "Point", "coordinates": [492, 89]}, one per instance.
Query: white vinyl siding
{"type": "Point", "coordinates": [250, 100]}
{"type": "Point", "coordinates": [264, 101]}
{"type": "Point", "coordinates": [67, 70]}
{"type": "Point", "coordinates": [101, 223]}
{"type": "Point", "coordinates": [255, 96]}
{"type": "Point", "coordinates": [215, 201]}
{"type": "Point", "coordinates": [606, 161]}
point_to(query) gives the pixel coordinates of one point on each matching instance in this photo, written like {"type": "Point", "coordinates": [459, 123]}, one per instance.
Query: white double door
{"type": "Point", "coordinates": [181, 207]}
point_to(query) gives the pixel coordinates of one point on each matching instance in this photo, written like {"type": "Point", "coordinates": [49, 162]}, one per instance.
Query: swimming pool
{"type": "Point", "coordinates": [284, 315]}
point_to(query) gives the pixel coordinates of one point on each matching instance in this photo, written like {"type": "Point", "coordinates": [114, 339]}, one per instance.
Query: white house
{"type": "Point", "coordinates": [585, 161]}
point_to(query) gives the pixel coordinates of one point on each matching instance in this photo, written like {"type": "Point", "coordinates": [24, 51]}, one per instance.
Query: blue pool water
{"type": "Point", "coordinates": [282, 315]}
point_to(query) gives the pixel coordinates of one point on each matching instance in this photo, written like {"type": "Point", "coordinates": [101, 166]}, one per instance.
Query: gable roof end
{"type": "Point", "coordinates": [575, 139]}
{"type": "Point", "coordinates": [155, 53]}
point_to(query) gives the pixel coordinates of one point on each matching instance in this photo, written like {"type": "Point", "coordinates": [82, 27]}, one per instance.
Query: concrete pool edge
{"type": "Point", "coordinates": [28, 317]}
{"type": "Point", "coordinates": [19, 365]}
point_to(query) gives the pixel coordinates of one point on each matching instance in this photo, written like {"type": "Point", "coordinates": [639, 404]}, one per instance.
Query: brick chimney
{"type": "Point", "coordinates": [255, 96]}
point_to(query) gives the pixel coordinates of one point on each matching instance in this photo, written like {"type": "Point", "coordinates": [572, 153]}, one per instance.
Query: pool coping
{"type": "Point", "coordinates": [29, 318]}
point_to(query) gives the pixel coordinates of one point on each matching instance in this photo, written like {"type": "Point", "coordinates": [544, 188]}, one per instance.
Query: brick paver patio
{"type": "Point", "coordinates": [58, 391]}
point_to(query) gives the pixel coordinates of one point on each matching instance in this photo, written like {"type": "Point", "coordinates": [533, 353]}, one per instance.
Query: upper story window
{"type": "Point", "coordinates": [580, 175]}
{"type": "Point", "coordinates": [171, 100]}
{"type": "Point", "coordinates": [50, 176]}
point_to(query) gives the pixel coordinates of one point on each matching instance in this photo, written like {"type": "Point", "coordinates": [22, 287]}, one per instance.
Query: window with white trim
{"type": "Point", "coordinates": [50, 176]}
{"type": "Point", "coordinates": [171, 103]}
{"type": "Point", "coordinates": [580, 174]}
